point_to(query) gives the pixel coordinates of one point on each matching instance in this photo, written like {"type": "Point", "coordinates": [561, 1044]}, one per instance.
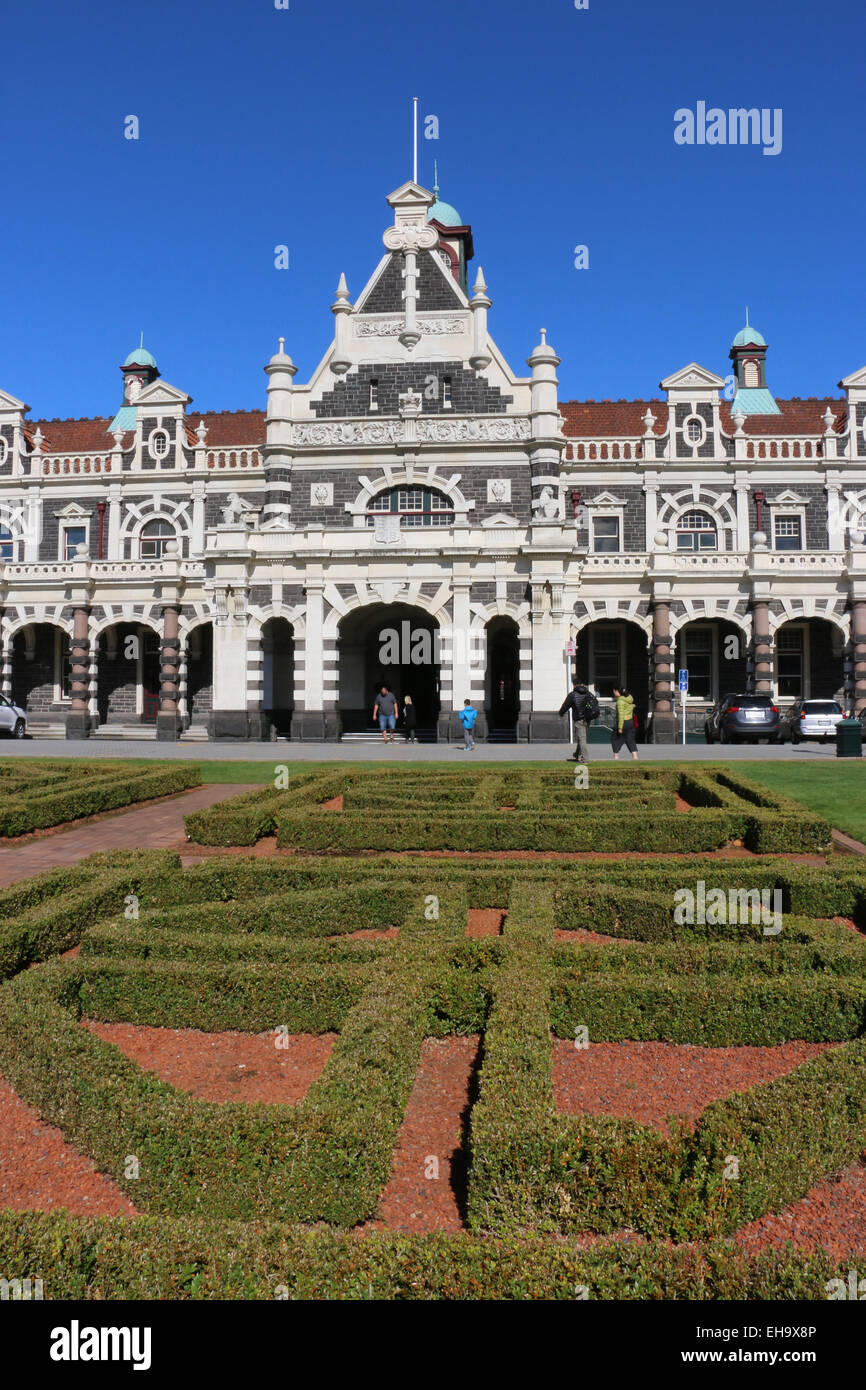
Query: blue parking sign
{"type": "Point", "coordinates": [684, 680]}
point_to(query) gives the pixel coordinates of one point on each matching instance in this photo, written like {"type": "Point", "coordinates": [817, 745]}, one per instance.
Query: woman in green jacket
{"type": "Point", "coordinates": [624, 731]}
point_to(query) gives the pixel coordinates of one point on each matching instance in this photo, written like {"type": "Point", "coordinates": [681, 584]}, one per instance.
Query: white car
{"type": "Point", "coordinates": [812, 719]}
{"type": "Point", "coordinates": [13, 720]}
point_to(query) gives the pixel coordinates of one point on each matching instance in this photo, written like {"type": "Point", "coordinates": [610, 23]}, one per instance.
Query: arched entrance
{"type": "Point", "coordinates": [502, 682]}
{"type": "Point", "coordinates": [199, 675]}
{"type": "Point", "coordinates": [395, 645]}
{"type": "Point", "coordinates": [715, 652]}
{"type": "Point", "coordinates": [809, 661]}
{"type": "Point", "coordinates": [128, 674]}
{"type": "Point", "coordinates": [40, 670]}
{"type": "Point", "coordinates": [278, 674]}
{"type": "Point", "coordinates": [612, 652]}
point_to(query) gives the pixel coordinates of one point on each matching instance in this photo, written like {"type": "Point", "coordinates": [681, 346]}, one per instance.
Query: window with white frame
{"type": "Point", "coordinates": [695, 430]}
{"type": "Point", "coordinates": [607, 653]}
{"type": "Point", "coordinates": [415, 506]}
{"type": "Point", "coordinates": [374, 393]}
{"type": "Point", "coordinates": [696, 657]}
{"type": "Point", "coordinates": [446, 393]}
{"type": "Point", "coordinates": [8, 546]}
{"type": "Point", "coordinates": [696, 530]}
{"type": "Point", "coordinates": [4, 451]}
{"type": "Point", "coordinates": [70, 539]}
{"type": "Point", "coordinates": [159, 444]}
{"type": "Point", "coordinates": [154, 537]}
{"type": "Point", "coordinates": [790, 662]}
{"type": "Point", "coordinates": [787, 532]}
{"type": "Point", "coordinates": [605, 533]}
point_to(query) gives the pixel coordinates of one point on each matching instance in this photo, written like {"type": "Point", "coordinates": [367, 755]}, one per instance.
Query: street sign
{"type": "Point", "coordinates": [570, 647]}
{"type": "Point", "coordinates": [684, 680]}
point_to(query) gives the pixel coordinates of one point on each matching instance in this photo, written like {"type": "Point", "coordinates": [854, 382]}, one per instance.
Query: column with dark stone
{"type": "Point", "coordinates": [662, 649]}
{"type": "Point", "coordinates": [762, 647]}
{"type": "Point", "coordinates": [858, 642]}
{"type": "Point", "coordinates": [78, 719]}
{"type": "Point", "coordinates": [167, 720]}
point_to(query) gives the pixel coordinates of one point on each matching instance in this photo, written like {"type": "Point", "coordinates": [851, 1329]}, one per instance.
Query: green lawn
{"type": "Point", "coordinates": [836, 790]}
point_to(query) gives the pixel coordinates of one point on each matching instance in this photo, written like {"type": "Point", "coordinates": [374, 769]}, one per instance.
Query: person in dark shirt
{"type": "Point", "coordinates": [410, 718]}
{"type": "Point", "coordinates": [576, 700]}
{"type": "Point", "coordinates": [386, 710]}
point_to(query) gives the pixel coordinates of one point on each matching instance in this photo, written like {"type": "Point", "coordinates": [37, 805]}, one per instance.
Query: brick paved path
{"type": "Point", "coordinates": [158, 826]}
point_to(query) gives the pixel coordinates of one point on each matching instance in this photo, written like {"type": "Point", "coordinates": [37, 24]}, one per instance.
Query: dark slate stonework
{"type": "Point", "coordinates": [681, 414]}
{"type": "Point", "coordinates": [483, 593]}
{"type": "Point", "coordinates": [7, 433]}
{"type": "Point", "coordinates": [259, 595]}
{"type": "Point", "coordinates": [816, 512]}
{"type": "Point", "coordinates": [434, 290]}
{"type": "Point", "coordinates": [346, 485]}
{"type": "Point", "coordinates": [633, 518]}
{"type": "Point", "coordinates": [471, 393]}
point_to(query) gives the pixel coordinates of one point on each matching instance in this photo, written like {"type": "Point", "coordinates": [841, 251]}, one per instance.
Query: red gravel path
{"type": "Point", "coordinates": [39, 1169]}
{"type": "Point", "coordinates": [432, 1128]}
{"type": "Point", "coordinates": [831, 1216]}
{"type": "Point", "coordinates": [646, 1081]}
{"type": "Point", "coordinates": [224, 1066]}
{"type": "Point", "coordinates": [152, 825]}
{"type": "Point", "coordinates": [581, 935]}
{"type": "Point", "coordinates": [485, 921]}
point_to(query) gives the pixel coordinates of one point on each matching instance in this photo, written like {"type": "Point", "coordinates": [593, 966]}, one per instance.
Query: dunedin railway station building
{"type": "Point", "coordinates": [416, 513]}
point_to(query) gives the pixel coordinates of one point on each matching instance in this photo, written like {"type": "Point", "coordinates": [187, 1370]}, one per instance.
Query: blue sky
{"type": "Point", "coordinates": [261, 127]}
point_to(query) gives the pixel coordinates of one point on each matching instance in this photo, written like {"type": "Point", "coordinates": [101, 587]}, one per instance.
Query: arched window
{"type": "Point", "coordinates": [414, 506]}
{"type": "Point", "coordinates": [154, 537]}
{"type": "Point", "coordinates": [7, 544]}
{"type": "Point", "coordinates": [696, 531]}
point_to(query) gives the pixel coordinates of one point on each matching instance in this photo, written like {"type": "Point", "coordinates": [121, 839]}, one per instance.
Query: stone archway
{"type": "Point", "coordinates": [395, 644]}
{"type": "Point", "coordinates": [128, 664]}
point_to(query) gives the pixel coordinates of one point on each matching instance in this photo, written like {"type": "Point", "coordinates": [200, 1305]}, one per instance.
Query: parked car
{"type": "Point", "coordinates": [739, 717]}
{"type": "Point", "coordinates": [13, 720]}
{"type": "Point", "coordinates": [811, 719]}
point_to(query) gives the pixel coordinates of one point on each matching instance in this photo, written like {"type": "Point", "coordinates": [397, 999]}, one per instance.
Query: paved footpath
{"type": "Point", "coordinates": [284, 752]}
{"type": "Point", "coordinates": [157, 826]}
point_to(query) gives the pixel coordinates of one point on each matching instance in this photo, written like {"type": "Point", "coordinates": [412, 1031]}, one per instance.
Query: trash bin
{"type": "Point", "coordinates": [849, 738]}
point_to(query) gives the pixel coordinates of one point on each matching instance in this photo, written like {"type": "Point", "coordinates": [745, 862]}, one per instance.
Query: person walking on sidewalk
{"type": "Point", "coordinates": [585, 708]}
{"type": "Point", "coordinates": [624, 730]}
{"type": "Point", "coordinates": [410, 719]}
{"type": "Point", "coordinates": [386, 710]}
{"type": "Point", "coordinates": [467, 717]}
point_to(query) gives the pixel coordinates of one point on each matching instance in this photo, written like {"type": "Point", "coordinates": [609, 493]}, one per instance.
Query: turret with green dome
{"type": "Point", "coordinates": [455, 239]}
{"type": "Point", "coordinates": [139, 370]}
{"type": "Point", "coordinates": [748, 353]}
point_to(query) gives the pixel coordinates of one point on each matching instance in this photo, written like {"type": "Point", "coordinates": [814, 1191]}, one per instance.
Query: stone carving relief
{"type": "Point", "coordinates": [508, 429]}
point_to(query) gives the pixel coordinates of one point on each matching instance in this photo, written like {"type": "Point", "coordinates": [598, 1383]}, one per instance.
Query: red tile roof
{"type": "Point", "coordinates": [583, 419]}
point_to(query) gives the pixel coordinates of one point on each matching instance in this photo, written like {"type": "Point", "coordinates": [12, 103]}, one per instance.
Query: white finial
{"type": "Point", "coordinates": [141, 339]}
{"type": "Point", "coordinates": [829, 419]}
{"type": "Point", "coordinates": [282, 343]}
{"type": "Point", "coordinates": [342, 288]}
{"type": "Point", "coordinates": [201, 432]}
{"type": "Point", "coordinates": [415, 139]}
{"type": "Point", "coordinates": [748, 325]}
{"type": "Point", "coordinates": [480, 286]}
{"type": "Point", "coordinates": [544, 336]}
{"type": "Point", "coordinates": [739, 420]}
{"type": "Point", "coordinates": [37, 439]}
{"type": "Point", "coordinates": [649, 420]}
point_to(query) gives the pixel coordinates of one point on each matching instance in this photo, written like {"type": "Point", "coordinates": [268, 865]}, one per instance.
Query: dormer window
{"type": "Point", "coordinates": [695, 430]}
{"type": "Point", "coordinates": [159, 444]}
{"type": "Point", "coordinates": [374, 393]}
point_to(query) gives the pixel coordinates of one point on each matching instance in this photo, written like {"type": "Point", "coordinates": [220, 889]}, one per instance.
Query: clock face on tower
{"type": "Point", "coordinates": [133, 388]}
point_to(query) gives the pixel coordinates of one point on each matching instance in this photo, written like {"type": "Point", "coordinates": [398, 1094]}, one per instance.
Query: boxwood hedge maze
{"type": "Point", "coordinates": [580, 1040]}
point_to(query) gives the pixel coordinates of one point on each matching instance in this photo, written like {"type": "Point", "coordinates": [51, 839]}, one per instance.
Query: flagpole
{"type": "Point", "coordinates": [415, 139]}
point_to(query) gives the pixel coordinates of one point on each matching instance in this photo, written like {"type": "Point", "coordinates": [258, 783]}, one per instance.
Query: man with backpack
{"type": "Point", "coordinates": [585, 706]}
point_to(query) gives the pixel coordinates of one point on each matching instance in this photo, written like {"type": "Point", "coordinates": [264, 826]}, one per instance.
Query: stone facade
{"type": "Point", "coordinates": [419, 512]}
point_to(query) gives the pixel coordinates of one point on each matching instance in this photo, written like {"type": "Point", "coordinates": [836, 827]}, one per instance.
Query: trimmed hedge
{"type": "Point", "coordinates": [535, 1169]}
{"type": "Point", "coordinates": [145, 1258]}
{"type": "Point", "coordinates": [325, 1159]}
{"type": "Point", "coordinates": [89, 792]}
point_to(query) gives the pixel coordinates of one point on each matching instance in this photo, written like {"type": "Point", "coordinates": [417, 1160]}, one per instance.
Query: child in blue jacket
{"type": "Point", "coordinates": [467, 718]}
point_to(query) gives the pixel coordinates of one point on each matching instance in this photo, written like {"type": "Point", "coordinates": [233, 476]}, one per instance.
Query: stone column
{"type": "Point", "coordinates": [663, 722]}
{"type": "Point", "coordinates": [78, 719]}
{"type": "Point", "coordinates": [858, 641]}
{"type": "Point", "coordinates": [762, 647]}
{"type": "Point", "coordinates": [167, 720]}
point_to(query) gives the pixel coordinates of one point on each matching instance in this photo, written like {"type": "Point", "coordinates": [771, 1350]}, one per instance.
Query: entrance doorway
{"type": "Point", "coordinates": [394, 645]}
{"type": "Point", "coordinates": [503, 680]}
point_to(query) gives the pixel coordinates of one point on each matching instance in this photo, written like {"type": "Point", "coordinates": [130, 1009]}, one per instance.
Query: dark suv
{"type": "Point", "coordinates": [738, 717]}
